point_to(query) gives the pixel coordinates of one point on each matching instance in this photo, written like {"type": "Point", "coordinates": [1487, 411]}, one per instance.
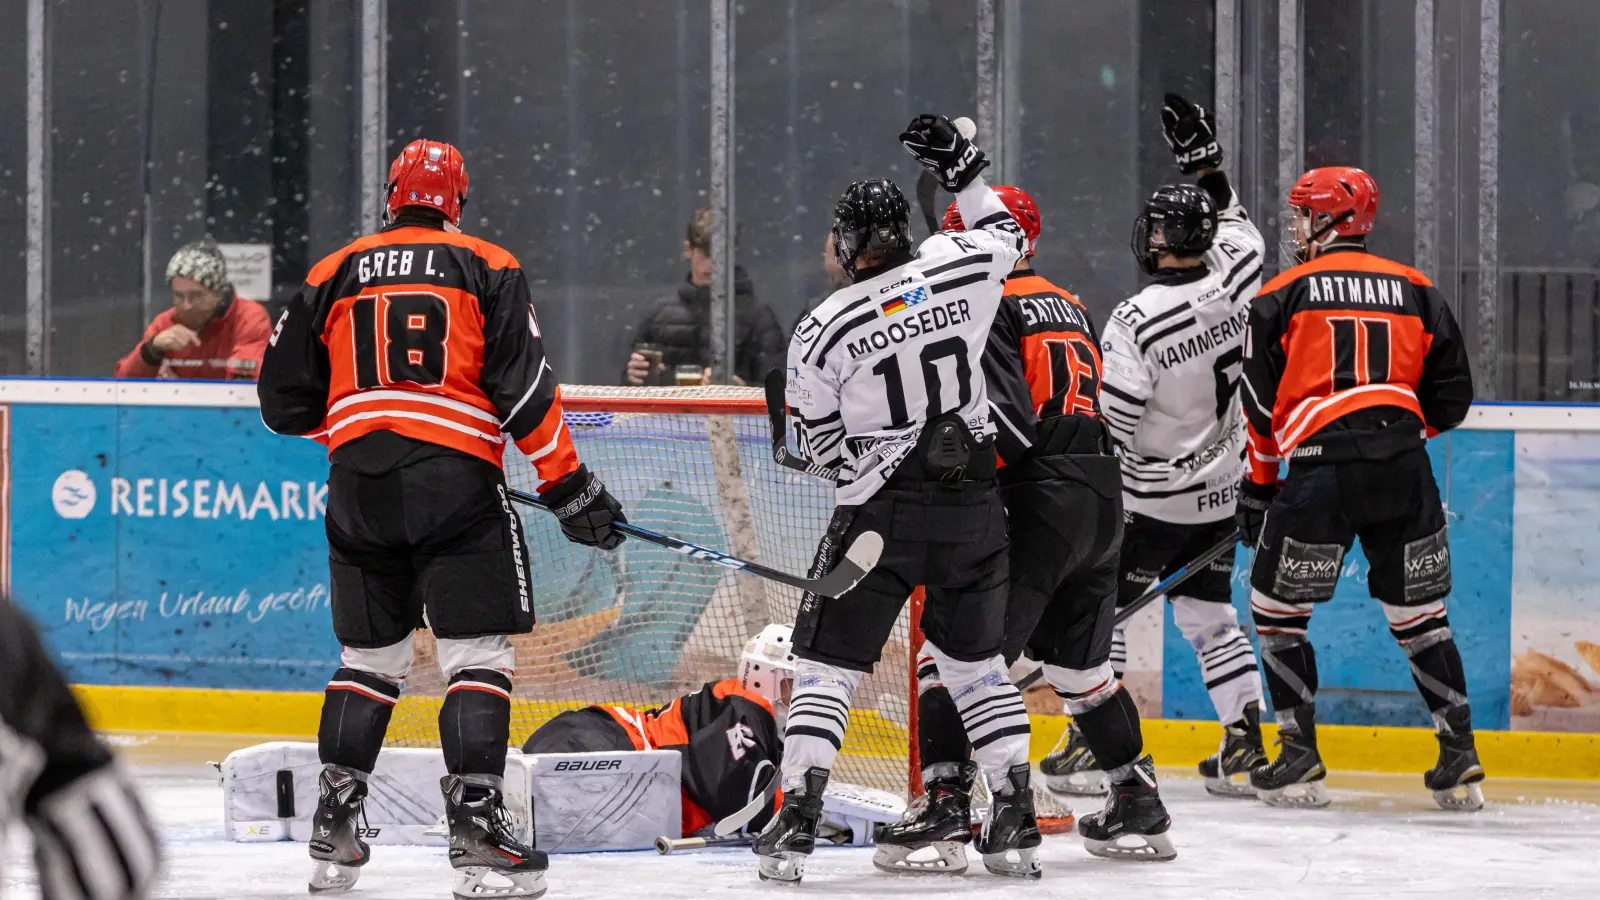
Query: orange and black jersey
{"type": "Point", "coordinates": [1042, 361]}
{"type": "Point", "coordinates": [730, 745]}
{"type": "Point", "coordinates": [1342, 334]}
{"type": "Point", "coordinates": [424, 333]}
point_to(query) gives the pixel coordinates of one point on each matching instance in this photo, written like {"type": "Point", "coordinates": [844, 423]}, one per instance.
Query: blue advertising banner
{"type": "Point", "coordinates": [171, 546]}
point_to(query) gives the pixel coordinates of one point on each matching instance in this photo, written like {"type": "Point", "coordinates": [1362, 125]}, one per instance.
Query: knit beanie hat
{"type": "Point", "coordinates": [202, 261]}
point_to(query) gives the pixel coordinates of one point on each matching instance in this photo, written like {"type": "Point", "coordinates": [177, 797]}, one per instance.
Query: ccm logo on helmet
{"type": "Point", "coordinates": [588, 765]}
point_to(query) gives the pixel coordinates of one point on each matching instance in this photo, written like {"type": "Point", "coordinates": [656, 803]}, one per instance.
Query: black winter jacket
{"type": "Point", "coordinates": [681, 326]}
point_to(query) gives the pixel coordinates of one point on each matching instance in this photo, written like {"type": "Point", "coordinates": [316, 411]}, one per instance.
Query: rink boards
{"type": "Point", "coordinates": [172, 551]}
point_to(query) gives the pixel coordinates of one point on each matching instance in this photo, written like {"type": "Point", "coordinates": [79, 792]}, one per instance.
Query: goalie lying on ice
{"type": "Point", "coordinates": [729, 732]}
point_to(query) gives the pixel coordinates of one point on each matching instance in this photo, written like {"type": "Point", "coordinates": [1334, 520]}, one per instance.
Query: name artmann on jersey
{"type": "Point", "coordinates": [876, 360]}
{"type": "Point", "coordinates": [1173, 354]}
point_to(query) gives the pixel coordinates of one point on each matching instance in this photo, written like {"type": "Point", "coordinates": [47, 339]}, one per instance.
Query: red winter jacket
{"type": "Point", "coordinates": [230, 348]}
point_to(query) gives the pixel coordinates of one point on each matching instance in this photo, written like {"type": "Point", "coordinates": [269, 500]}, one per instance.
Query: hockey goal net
{"type": "Point", "coordinates": [643, 625]}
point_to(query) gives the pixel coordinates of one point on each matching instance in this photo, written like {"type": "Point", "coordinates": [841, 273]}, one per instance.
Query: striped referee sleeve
{"type": "Point", "coordinates": [93, 840]}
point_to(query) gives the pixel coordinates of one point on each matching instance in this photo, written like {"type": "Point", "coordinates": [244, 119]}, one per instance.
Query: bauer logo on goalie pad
{"type": "Point", "coordinates": [1307, 571]}
{"type": "Point", "coordinates": [587, 765]}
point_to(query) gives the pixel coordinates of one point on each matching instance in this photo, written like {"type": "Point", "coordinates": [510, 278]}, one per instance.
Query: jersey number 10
{"type": "Point", "coordinates": [400, 337]}
{"type": "Point", "coordinates": [895, 387]}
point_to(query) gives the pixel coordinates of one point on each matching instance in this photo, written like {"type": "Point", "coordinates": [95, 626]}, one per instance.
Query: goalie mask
{"type": "Point", "coordinates": [766, 667]}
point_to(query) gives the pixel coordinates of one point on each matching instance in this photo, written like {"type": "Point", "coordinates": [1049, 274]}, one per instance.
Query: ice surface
{"type": "Point", "coordinates": [1383, 838]}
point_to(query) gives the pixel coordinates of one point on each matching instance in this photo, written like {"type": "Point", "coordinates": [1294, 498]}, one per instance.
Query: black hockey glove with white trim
{"type": "Point", "coordinates": [944, 151]}
{"type": "Point", "coordinates": [1189, 132]}
{"type": "Point", "coordinates": [586, 509]}
{"type": "Point", "coordinates": [1250, 513]}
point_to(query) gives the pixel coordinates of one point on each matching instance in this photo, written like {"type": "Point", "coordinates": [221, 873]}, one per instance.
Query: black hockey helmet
{"type": "Point", "coordinates": [1178, 218]}
{"type": "Point", "coordinates": [872, 215]}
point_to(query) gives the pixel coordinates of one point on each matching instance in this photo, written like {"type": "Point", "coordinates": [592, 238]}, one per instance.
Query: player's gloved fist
{"type": "Point", "coordinates": [1188, 130]}
{"type": "Point", "coordinates": [944, 151]}
{"type": "Point", "coordinates": [586, 509]}
{"type": "Point", "coordinates": [1250, 513]}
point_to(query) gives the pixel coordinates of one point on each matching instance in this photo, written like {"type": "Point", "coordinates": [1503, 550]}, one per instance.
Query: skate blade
{"type": "Point", "coordinates": [1302, 795]}
{"type": "Point", "coordinates": [782, 868]}
{"type": "Point", "coordinates": [1227, 787]}
{"type": "Point", "coordinates": [936, 858]}
{"type": "Point", "coordinates": [1021, 862]}
{"type": "Point", "coordinates": [1461, 798]}
{"type": "Point", "coordinates": [1134, 847]}
{"type": "Point", "coordinates": [1087, 783]}
{"type": "Point", "coordinates": [478, 882]}
{"type": "Point", "coordinates": [331, 877]}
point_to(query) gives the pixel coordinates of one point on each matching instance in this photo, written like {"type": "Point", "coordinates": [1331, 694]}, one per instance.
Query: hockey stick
{"type": "Point", "coordinates": [859, 557]}
{"type": "Point", "coordinates": [741, 817]}
{"type": "Point", "coordinates": [777, 419]}
{"type": "Point", "coordinates": [927, 193]}
{"type": "Point", "coordinates": [1184, 573]}
{"type": "Point", "coordinates": [667, 846]}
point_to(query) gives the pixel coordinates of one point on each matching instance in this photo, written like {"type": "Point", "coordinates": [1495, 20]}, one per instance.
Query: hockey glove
{"type": "Point", "coordinates": [1188, 130]}
{"type": "Point", "coordinates": [943, 151]}
{"type": "Point", "coordinates": [1250, 514]}
{"type": "Point", "coordinates": [586, 509]}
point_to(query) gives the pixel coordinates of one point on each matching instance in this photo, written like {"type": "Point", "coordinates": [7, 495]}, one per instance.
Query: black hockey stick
{"type": "Point", "coordinates": [777, 419]}
{"type": "Point", "coordinates": [666, 845]}
{"type": "Point", "coordinates": [859, 557]}
{"type": "Point", "coordinates": [1184, 573]}
{"type": "Point", "coordinates": [927, 194]}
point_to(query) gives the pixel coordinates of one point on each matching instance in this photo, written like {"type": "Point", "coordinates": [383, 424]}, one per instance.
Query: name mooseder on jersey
{"type": "Point", "coordinates": [936, 318]}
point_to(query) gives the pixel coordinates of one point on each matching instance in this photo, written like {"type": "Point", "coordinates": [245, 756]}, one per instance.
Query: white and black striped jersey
{"type": "Point", "coordinates": [1172, 356]}
{"type": "Point", "coordinates": [92, 837]}
{"type": "Point", "coordinates": [875, 361]}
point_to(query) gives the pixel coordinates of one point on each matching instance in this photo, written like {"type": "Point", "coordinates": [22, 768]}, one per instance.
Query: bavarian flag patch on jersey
{"type": "Point", "coordinates": [909, 298]}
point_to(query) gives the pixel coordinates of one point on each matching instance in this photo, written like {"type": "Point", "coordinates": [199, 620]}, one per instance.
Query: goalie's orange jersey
{"type": "Point", "coordinates": [426, 333]}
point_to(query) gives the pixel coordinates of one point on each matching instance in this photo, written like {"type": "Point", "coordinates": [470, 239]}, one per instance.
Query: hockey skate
{"type": "Point", "coordinates": [939, 821]}
{"type": "Point", "coordinates": [1009, 841]}
{"type": "Point", "coordinates": [1240, 752]}
{"type": "Point", "coordinates": [1457, 777]}
{"type": "Point", "coordinates": [792, 834]}
{"type": "Point", "coordinates": [1295, 778]}
{"type": "Point", "coordinates": [484, 850]}
{"type": "Point", "coordinates": [1070, 768]}
{"type": "Point", "coordinates": [1134, 823]}
{"type": "Point", "coordinates": [337, 850]}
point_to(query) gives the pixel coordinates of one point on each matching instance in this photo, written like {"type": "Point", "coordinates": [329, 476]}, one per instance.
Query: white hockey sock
{"type": "Point", "coordinates": [819, 712]}
{"type": "Point", "coordinates": [1227, 661]}
{"type": "Point", "coordinates": [991, 709]}
{"type": "Point", "coordinates": [1119, 651]}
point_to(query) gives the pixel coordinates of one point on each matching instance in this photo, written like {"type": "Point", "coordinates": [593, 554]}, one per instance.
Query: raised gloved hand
{"type": "Point", "coordinates": [1250, 513]}
{"type": "Point", "coordinates": [1189, 132]}
{"type": "Point", "coordinates": [944, 151]}
{"type": "Point", "coordinates": [586, 509]}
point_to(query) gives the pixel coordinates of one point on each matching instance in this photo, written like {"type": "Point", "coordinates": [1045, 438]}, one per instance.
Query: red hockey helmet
{"type": "Point", "coordinates": [428, 173]}
{"type": "Point", "coordinates": [1337, 201]}
{"type": "Point", "coordinates": [1021, 206]}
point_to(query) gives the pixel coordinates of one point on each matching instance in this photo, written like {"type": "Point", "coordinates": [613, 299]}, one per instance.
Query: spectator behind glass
{"type": "Point", "coordinates": [837, 279]}
{"type": "Point", "coordinates": [680, 326]}
{"type": "Point", "coordinates": [210, 332]}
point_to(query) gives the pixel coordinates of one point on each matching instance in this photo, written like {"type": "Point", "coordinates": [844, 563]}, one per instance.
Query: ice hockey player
{"type": "Point", "coordinates": [414, 355]}
{"type": "Point", "coordinates": [729, 732]}
{"type": "Point", "coordinates": [1352, 362]}
{"type": "Point", "coordinates": [1062, 492]}
{"type": "Point", "coordinates": [1170, 398]}
{"type": "Point", "coordinates": [92, 839]}
{"type": "Point", "coordinates": [887, 387]}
